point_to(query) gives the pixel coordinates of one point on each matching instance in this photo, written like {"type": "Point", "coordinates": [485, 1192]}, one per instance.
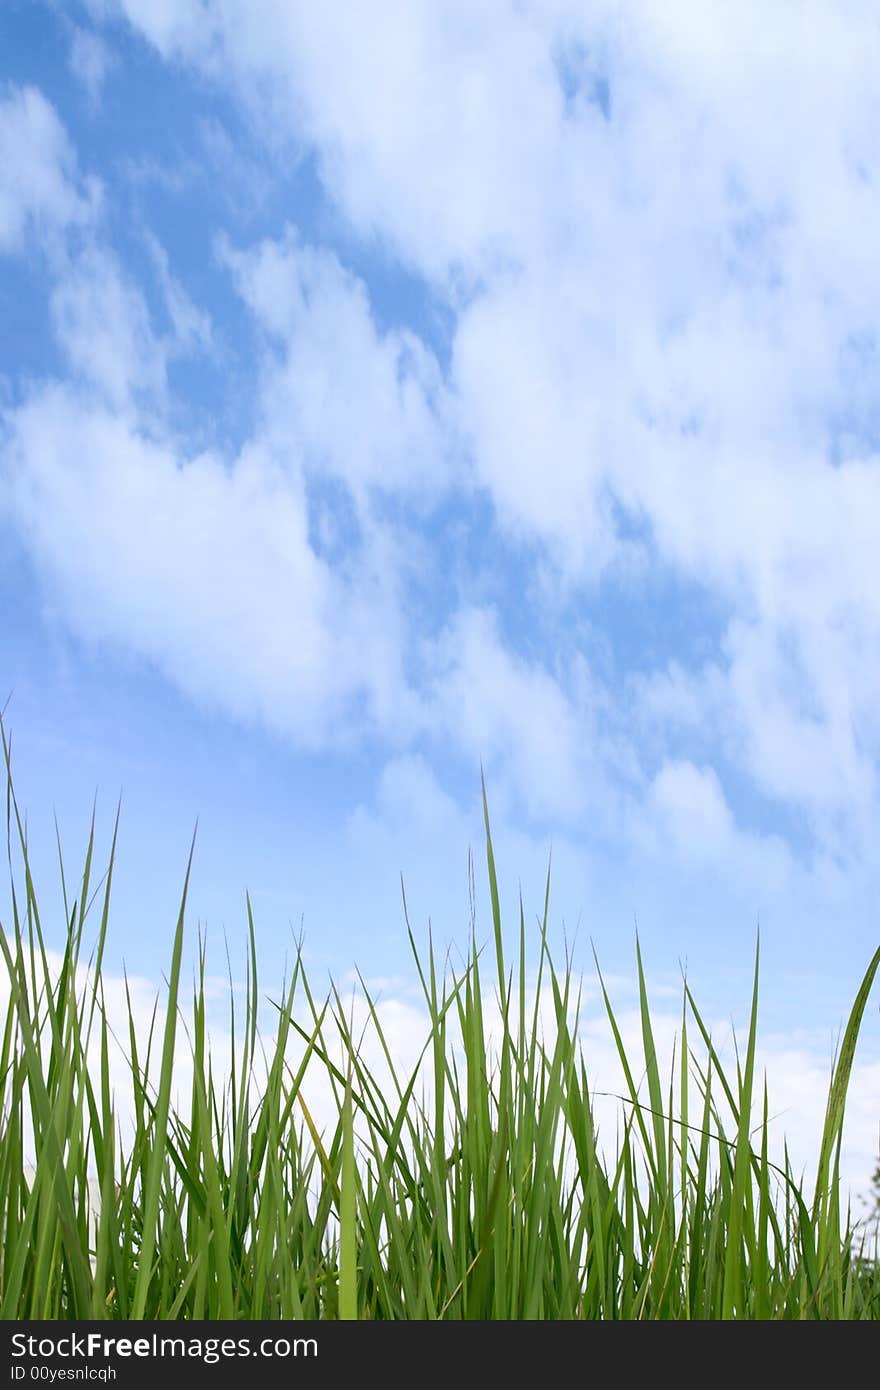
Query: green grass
{"type": "Point", "coordinates": [475, 1186]}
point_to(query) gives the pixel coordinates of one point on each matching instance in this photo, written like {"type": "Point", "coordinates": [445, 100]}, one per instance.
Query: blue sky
{"type": "Point", "coordinates": [390, 389]}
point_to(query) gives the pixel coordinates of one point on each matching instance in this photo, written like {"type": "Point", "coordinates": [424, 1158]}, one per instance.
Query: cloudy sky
{"type": "Point", "coordinates": [387, 389]}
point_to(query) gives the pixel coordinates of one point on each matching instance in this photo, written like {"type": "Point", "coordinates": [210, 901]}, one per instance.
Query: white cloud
{"type": "Point", "coordinates": [103, 325]}
{"type": "Point", "coordinates": [202, 566]}
{"type": "Point", "coordinates": [386, 100]}
{"type": "Point", "coordinates": [41, 191]}
{"type": "Point", "coordinates": [535, 421]}
{"type": "Point", "coordinates": [354, 403]}
{"type": "Point", "coordinates": [192, 330]}
{"type": "Point", "coordinates": [99, 316]}
{"type": "Point", "coordinates": [171, 24]}
{"type": "Point", "coordinates": [91, 59]}
{"type": "Point", "coordinates": [409, 796]}
{"type": "Point", "coordinates": [511, 713]}
{"type": "Point", "coordinates": [685, 812]}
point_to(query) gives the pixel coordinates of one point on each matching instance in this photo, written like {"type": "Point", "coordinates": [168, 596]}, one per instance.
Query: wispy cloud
{"type": "Point", "coordinates": [91, 60]}
{"type": "Point", "coordinates": [104, 328]}
{"type": "Point", "coordinates": [41, 189]}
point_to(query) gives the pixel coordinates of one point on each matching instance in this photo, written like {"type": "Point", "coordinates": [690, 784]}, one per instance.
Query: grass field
{"type": "Point", "coordinates": [474, 1187]}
